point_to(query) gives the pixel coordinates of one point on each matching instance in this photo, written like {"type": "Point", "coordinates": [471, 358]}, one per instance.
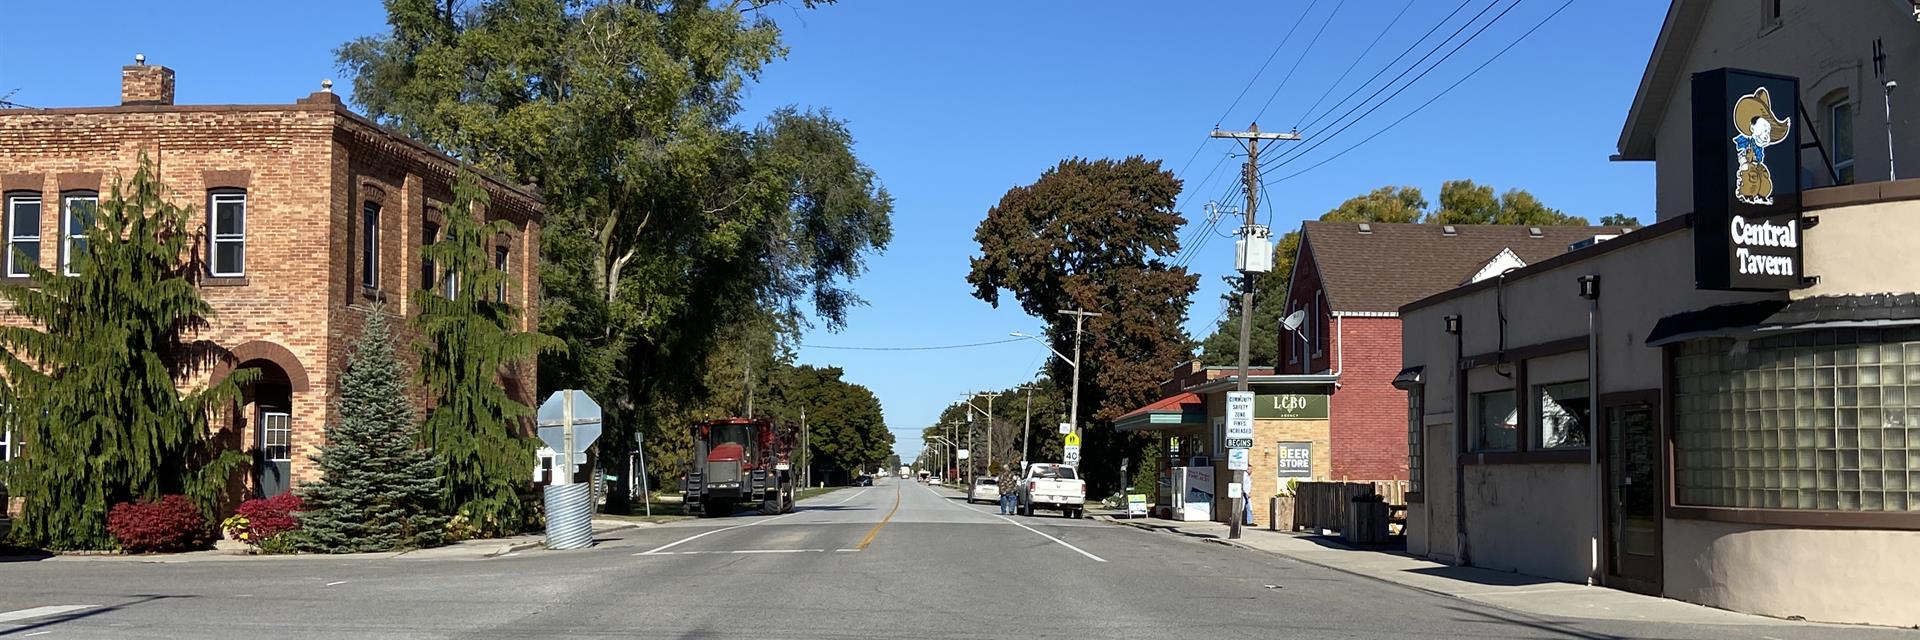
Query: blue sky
{"type": "Point", "coordinates": [954, 103]}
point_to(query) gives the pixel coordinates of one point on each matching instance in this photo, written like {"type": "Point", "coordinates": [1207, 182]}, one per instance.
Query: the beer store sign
{"type": "Point", "coordinates": [1746, 191]}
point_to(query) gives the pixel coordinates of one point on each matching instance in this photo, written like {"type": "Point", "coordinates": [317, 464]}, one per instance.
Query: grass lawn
{"type": "Point", "coordinates": [814, 491]}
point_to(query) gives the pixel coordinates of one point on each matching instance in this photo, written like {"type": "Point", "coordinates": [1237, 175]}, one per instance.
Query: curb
{"type": "Point", "coordinates": [1352, 572]}
{"type": "Point", "coordinates": [515, 548]}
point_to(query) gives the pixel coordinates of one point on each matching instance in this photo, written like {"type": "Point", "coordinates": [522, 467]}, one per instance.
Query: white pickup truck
{"type": "Point", "coordinates": [1053, 486]}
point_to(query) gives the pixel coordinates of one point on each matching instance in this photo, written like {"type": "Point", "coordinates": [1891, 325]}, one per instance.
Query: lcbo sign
{"type": "Point", "coordinates": [1746, 181]}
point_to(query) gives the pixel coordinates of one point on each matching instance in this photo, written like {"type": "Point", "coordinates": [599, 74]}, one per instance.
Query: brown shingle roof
{"type": "Point", "coordinates": [1400, 263]}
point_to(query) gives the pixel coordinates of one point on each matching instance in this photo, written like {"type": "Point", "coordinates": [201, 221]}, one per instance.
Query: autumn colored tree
{"type": "Point", "coordinates": [1095, 235]}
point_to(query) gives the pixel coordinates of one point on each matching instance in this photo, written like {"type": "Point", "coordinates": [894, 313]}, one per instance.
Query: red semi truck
{"type": "Point", "coordinates": [741, 462]}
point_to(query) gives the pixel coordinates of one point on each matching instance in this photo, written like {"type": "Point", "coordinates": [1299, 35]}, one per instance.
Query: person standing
{"type": "Point", "coordinates": [1009, 489]}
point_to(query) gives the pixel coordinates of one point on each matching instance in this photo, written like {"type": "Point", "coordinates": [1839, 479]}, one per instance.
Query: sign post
{"type": "Point", "coordinates": [569, 422]}
{"type": "Point", "coordinates": [640, 449]}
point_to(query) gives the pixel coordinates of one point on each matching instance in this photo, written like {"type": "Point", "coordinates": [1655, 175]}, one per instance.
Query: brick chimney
{"type": "Point", "coordinates": [147, 85]}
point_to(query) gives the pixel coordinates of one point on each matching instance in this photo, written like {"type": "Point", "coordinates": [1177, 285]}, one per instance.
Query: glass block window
{"type": "Point", "coordinates": [1416, 470]}
{"type": "Point", "coordinates": [1818, 420]}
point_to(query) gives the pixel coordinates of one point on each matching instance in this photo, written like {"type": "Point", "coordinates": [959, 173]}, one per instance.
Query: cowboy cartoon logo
{"type": "Point", "coordinates": [1759, 128]}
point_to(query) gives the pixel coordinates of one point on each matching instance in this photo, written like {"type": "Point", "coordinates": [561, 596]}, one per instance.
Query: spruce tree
{"type": "Point", "coordinates": [468, 342]}
{"type": "Point", "coordinates": [378, 489]}
{"type": "Point", "coordinates": [93, 376]}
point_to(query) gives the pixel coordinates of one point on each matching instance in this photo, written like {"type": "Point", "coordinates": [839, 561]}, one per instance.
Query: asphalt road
{"type": "Point", "coordinates": [896, 560]}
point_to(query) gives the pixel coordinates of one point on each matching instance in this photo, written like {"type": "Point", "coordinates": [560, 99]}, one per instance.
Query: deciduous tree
{"type": "Point", "coordinates": [1094, 235]}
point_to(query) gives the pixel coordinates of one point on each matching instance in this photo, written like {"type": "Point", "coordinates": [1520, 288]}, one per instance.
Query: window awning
{"type": "Point", "coordinates": [1410, 377]}
{"type": "Point", "coordinates": [1175, 411]}
{"type": "Point", "coordinates": [1763, 317]}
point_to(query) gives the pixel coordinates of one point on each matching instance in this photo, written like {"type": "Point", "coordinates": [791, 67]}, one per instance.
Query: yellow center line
{"type": "Point", "coordinates": [883, 521]}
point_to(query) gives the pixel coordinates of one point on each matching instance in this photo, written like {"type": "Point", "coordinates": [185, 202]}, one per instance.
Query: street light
{"type": "Point", "coordinates": [969, 400]}
{"type": "Point", "coordinates": [1079, 320]}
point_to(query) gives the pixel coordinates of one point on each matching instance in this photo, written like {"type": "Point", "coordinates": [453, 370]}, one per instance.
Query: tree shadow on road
{"type": "Point", "coordinates": [48, 621]}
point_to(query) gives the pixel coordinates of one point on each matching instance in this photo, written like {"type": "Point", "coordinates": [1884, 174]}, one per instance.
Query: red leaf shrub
{"type": "Point", "coordinates": [171, 524]}
{"type": "Point", "coordinates": [269, 517]}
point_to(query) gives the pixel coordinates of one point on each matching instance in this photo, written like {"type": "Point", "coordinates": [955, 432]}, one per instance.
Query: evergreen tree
{"type": "Point", "coordinates": [94, 374]}
{"type": "Point", "coordinates": [378, 488]}
{"type": "Point", "coordinates": [475, 429]}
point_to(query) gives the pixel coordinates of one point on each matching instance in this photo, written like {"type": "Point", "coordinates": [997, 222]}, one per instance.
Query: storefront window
{"type": "Point", "coordinates": [1495, 417]}
{"type": "Point", "coordinates": [1821, 420]}
{"type": "Point", "coordinates": [1563, 415]}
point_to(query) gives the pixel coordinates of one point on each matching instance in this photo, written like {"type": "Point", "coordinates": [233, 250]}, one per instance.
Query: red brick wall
{"type": "Point", "coordinates": [1369, 416]}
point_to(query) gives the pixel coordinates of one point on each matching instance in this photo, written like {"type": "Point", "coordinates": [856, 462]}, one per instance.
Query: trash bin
{"type": "Point", "coordinates": [1366, 520]}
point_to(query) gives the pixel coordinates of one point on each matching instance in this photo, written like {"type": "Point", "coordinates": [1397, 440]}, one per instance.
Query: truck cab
{"type": "Point", "coordinates": [1053, 486]}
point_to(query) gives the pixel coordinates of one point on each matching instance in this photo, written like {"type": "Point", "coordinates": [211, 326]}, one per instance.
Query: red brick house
{"type": "Point", "coordinates": [1350, 279]}
{"type": "Point", "coordinates": [308, 212]}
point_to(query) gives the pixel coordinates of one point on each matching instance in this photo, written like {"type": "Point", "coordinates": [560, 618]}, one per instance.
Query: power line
{"type": "Point", "coordinates": [931, 348]}
{"type": "Point", "coordinates": [1290, 158]}
{"type": "Point", "coordinates": [1436, 97]}
{"type": "Point", "coordinates": [1297, 61]}
{"type": "Point", "coordinates": [1263, 66]}
{"type": "Point", "coordinates": [1389, 66]}
{"type": "Point", "coordinates": [1356, 60]}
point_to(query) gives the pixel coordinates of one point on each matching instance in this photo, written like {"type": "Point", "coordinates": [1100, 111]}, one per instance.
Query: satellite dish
{"type": "Point", "coordinates": [1293, 320]}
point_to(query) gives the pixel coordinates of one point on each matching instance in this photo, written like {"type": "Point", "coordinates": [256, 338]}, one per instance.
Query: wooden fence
{"type": "Point", "coordinates": [1322, 506]}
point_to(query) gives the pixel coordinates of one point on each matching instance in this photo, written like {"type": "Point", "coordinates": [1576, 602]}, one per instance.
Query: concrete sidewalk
{"type": "Point", "coordinates": [463, 550]}
{"type": "Point", "coordinates": [1513, 591]}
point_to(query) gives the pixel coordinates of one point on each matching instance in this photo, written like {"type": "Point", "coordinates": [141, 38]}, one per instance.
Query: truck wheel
{"type": "Point", "coordinates": [770, 506]}
{"type": "Point", "coordinates": [1079, 513]}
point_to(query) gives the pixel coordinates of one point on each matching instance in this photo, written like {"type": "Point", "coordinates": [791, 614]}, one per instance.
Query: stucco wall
{"type": "Point", "coordinates": [1536, 519]}
{"type": "Point", "coordinates": [1828, 46]}
{"type": "Point", "coordinates": [1821, 574]}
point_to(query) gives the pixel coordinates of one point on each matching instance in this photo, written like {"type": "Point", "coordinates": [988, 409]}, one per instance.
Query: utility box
{"type": "Point", "coordinates": [1253, 252]}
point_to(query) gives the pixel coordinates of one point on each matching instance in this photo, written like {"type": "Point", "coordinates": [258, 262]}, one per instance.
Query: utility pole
{"type": "Point", "coordinates": [1079, 326]}
{"type": "Point", "coordinates": [1026, 433]}
{"type": "Point", "coordinates": [746, 379]}
{"type": "Point", "coordinates": [1248, 231]}
{"type": "Point", "coordinates": [806, 470]}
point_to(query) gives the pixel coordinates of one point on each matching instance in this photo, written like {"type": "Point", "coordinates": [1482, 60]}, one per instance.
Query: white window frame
{"type": "Point", "coordinates": [67, 236]}
{"type": "Point", "coordinates": [266, 440]}
{"type": "Point", "coordinates": [502, 257]}
{"type": "Point", "coordinates": [7, 446]}
{"type": "Point", "coordinates": [13, 206]}
{"type": "Point", "coordinates": [370, 246]}
{"type": "Point", "coordinates": [215, 238]}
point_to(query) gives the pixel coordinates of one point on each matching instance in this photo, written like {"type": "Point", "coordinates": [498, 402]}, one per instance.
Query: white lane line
{"type": "Point", "coordinates": [36, 633]}
{"type": "Point", "coordinates": [336, 583]}
{"type": "Point", "coordinates": [736, 551]}
{"type": "Point", "coordinates": [1012, 522]}
{"type": "Point", "coordinates": [842, 501]}
{"type": "Point", "coordinates": [1063, 543]}
{"type": "Point", "coordinates": [36, 612]}
{"type": "Point", "coordinates": [777, 551]}
{"type": "Point", "coordinates": [698, 536]}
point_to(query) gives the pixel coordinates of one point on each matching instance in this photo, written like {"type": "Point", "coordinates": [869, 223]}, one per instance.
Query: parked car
{"type": "Point", "coordinates": [1053, 486]}
{"type": "Point", "coordinates": [984, 490]}
{"type": "Point", "coordinates": [935, 481]}
{"type": "Point", "coordinates": [863, 481]}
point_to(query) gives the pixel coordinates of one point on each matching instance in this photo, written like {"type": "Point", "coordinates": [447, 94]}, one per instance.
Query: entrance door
{"type": "Point", "coordinates": [276, 453]}
{"type": "Point", "coordinates": [1633, 483]}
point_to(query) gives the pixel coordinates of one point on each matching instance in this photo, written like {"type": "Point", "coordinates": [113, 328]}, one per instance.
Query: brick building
{"type": "Point", "coordinates": [307, 215]}
{"type": "Point", "coordinates": [1350, 280]}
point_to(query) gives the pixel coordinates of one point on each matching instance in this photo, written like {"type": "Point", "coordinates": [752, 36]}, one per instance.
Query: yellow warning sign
{"type": "Point", "coordinates": [1073, 439]}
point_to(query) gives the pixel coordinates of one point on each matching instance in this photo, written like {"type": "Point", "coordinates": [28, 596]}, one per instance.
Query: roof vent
{"type": "Point", "coordinates": [1449, 230]}
{"type": "Point", "coordinates": [1366, 229]}
{"type": "Point", "coordinates": [1534, 232]}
